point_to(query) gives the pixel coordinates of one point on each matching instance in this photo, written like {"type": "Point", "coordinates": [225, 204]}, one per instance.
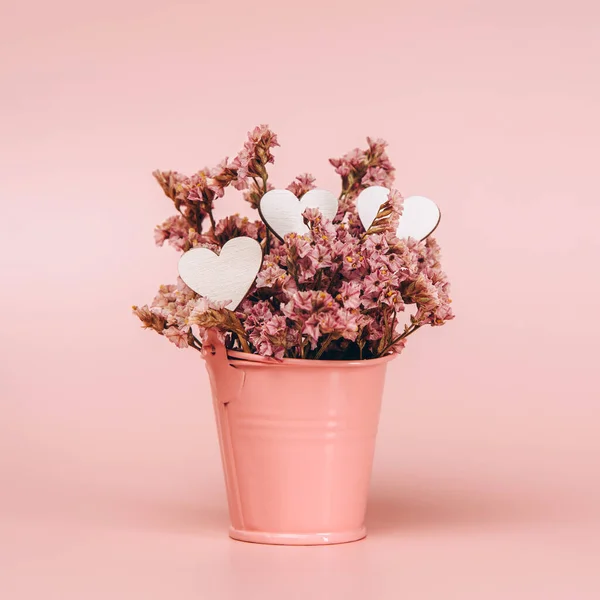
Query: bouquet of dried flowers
{"type": "Point", "coordinates": [332, 293]}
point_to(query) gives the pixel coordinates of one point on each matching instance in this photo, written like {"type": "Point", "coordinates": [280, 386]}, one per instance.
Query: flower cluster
{"type": "Point", "coordinates": [360, 169]}
{"type": "Point", "coordinates": [334, 293]}
{"type": "Point", "coordinates": [194, 196]}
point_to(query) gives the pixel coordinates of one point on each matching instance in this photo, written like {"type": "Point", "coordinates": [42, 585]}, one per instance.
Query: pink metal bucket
{"type": "Point", "coordinates": [297, 439]}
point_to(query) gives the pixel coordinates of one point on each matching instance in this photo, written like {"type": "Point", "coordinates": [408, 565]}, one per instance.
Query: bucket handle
{"type": "Point", "coordinates": [226, 380]}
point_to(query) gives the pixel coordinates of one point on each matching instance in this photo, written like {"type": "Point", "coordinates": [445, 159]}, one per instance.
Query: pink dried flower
{"type": "Point", "coordinates": [300, 304]}
{"type": "Point", "coordinates": [311, 330]}
{"type": "Point", "coordinates": [174, 228]}
{"type": "Point", "coordinates": [196, 187]}
{"type": "Point", "coordinates": [279, 336]}
{"type": "Point", "coordinates": [332, 293]}
{"type": "Point", "coordinates": [266, 332]}
{"type": "Point", "coordinates": [298, 245]}
{"type": "Point", "coordinates": [302, 184]}
{"type": "Point", "coordinates": [177, 337]}
{"type": "Point", "coordinates": [353, 264]}
{"type": "Point", "coordinates": [375, 330]}
{"type": "Point", "coordinates": [223, 175]}
{"type": "Point", "coordinates": [254, 192]}
{"type": "Point", "coordinates": [375, 176]}
{"type": "Point", "coordinates": [348, 324]}
{"type": "Point", "coordinates": [173, 303]}
{"type": "Point", "coordinates": [329, 321]}
{"type": "Point", "coordinates": [302, 257]}
{"type": "Point", "coordinates": [362, 168]}
{"type": "Point", "coordinates": [322, 229]}
{"type": "Point", "coordinates": [177, 232]}
{"type": "Point", "coordinates": [149, 319]}
{"type": "Point", "coordinates": [375, 245]}
{"type": "Point", "coordinates": [256, 153]}
{"type": "Point", "coordinates": [349, 294]}
{"type": "Point", "coordinates": [306, 304]}
{"type": "Point", "coordinates": [171, 183]}
{"type": "Point", "coordinates": [236, 226]}
{"type": "Point", "coordinates": [270, 277]}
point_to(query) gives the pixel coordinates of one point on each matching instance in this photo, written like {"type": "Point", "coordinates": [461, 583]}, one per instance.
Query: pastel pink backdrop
{"type": "Point", "coordinates": [486, 481]}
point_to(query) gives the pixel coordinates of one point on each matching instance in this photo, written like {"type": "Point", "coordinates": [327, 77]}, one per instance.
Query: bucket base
{"type": "Point", "coordinates": [298, 539]}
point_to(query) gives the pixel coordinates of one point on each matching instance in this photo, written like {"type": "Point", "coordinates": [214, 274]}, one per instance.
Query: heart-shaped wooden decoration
{"type": "Point", "coordinates": [368, 203]}
{"type": "Point", "coordinates": [282, 211]}
{"type": "Point", "coordinates": [225, 276]}
{"type": "Point", "coordinates": [420, 215]}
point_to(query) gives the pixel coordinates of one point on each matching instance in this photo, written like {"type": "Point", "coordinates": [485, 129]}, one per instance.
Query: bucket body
{"type": "Point", "coordinates": [297, 440]}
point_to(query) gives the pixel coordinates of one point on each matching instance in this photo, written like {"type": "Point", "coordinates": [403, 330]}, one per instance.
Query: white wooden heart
{"type": "Point", "coordinates": [226, 276]}
{"type": "Point", "coordinates": [282, 211]}
{"type": "Point", "coordinates": [368, 203]}
{"type": "Point", "coordinates": [420, 217]}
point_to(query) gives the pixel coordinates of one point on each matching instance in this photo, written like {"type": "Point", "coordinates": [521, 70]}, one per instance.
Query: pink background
{"type": "Point", "coordinates": [487, 479]}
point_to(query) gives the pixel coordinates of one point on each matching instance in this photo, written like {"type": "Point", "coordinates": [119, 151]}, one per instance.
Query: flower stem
{"type": "Point", "coordinates": [303, 344]}
{"type": "Point", "coordinates": [324, 346]}
{"type": "Point", "coordinates": [410, 330]}
{"type": "Point", "coordinates": [387, 333]}
{"type": "Point", "coordinates": [244, 344]}
{"type": "Point", "coordinates": [318, 278]}
{"type": "Point", "coordinates": [332, 275]}
{"type": "Point", "coordinates": [238, 329]}
{"type": "Point", "coordinates": [195, 343]}
{"type": "Point", "coordinates": [264, 178]}
{"type": "Point", "coordinates": [212, 220]}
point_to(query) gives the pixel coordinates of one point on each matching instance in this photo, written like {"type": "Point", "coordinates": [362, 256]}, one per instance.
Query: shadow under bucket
{"type": "Point", "coordinates": [297, 440]}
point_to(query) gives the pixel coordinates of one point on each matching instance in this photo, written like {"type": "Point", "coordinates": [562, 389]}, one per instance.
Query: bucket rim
{"type": "Point", "coordinates": [256, 360]}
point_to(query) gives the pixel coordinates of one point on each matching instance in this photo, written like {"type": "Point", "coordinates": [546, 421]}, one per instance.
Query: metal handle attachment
{"type": "Point", "coordinates": [226, 380]}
